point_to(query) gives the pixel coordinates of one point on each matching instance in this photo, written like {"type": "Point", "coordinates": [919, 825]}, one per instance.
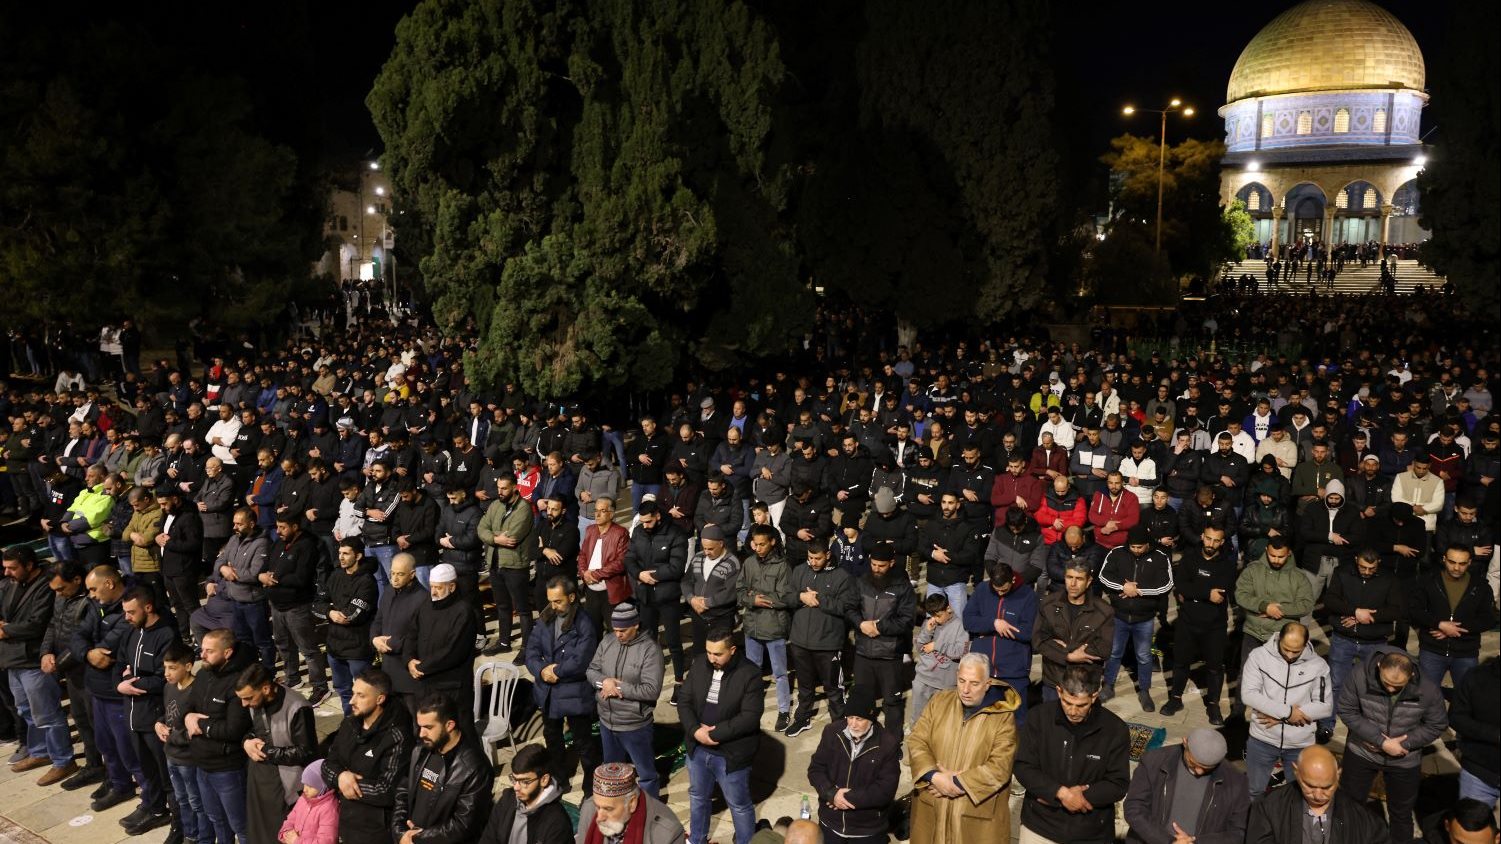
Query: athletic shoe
{"type": "Point", "coordinates": [318, 696]}
{"type": "Point", "coordinates": [798, 727]}
{"type": "Point", "coordinates": [1323, 734]}
{"type": "Point", "coordinates": [496, 647]}
{"type": "Point", "coordinates": [1173, 706]}
{"type": "Point", "coordinates": [784, 719]}
{"type": "Point", "coordinates": [87, 776]}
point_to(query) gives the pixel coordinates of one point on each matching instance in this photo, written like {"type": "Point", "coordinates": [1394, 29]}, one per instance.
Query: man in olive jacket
{"type": "Point", "coordinates": [766, 601]}
{"type": "Point", "coordinates": [506, 533]}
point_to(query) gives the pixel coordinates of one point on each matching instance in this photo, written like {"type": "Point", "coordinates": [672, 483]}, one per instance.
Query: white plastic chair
{"type": "Point", "coordinates": [504, 677]}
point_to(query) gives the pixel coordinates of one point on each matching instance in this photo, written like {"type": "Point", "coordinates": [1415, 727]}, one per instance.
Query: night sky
{"type": "Point", "coordinates": [1106, 56]}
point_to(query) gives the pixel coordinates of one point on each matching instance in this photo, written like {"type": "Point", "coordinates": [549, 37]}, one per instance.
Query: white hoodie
{"type": "Point", "coordinates": [1270, 685]}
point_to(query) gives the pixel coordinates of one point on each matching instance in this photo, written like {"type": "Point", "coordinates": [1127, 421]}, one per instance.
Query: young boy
{"type": "Point", "coordinates": [849, 551]}
{"type": "Point", "coordinates": [940, 641]}
{"type": "Point", "coordinates": [177, 668]}
{"type": "Point", "coordinates": [760, 515]}
{"type": "Point", "coordinates": [350, 520]}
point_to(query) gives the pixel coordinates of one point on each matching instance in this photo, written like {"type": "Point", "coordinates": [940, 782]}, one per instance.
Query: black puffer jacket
{"type": "Point", "coordinates": [872, 776]}
{"type": "Point", "coordinates": [1052, 753]}
{"type": "Point", "coordinates": [102, 627]}
{"type": "Point", "coordinates": [68, 614]}
{"type": "Point", "coordinates": [824, 627]}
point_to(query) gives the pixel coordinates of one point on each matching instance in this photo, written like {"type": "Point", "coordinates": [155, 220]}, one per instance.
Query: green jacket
{"type": "Point", "coordinates": [1310, 477]}
{"type": "Point", "coordinates": [512, 520]}
{"type": "Point", "coordinates": [94, 506]}
{"type": "Point", "coordinates": [770, 577]}
{"type": "Point", "coordinates": [1260, 584]}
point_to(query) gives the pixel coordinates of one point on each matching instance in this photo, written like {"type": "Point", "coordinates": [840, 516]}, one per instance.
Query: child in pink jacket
{"type": "Point", "coordinates": [315, 818]}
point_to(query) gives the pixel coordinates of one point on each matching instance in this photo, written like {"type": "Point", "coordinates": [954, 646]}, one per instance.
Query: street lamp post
{"type": "Point", "coordinates": [1176, 105]}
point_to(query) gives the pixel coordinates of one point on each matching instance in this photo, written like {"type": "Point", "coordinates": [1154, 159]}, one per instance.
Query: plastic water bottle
{"type": "Point", "coordinates": [807, 810]}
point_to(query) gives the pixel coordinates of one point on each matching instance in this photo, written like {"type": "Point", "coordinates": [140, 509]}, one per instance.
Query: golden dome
{"type": "Point", "coordinates": [1326, 45]}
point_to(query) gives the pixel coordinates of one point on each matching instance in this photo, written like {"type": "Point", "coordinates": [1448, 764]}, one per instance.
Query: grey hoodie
{"type": "Point", "coordinates": [637, 665]}
{"type": "Point", "coordinates": [940, 668]}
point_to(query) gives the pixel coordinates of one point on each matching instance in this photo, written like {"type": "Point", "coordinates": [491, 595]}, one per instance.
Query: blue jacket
{"type": "Point", "coordinates": [1008, 657]}
{"type": "Point", "coordinates": [571, 652]}
{"type": "Point", "coordinates": [265, 500]}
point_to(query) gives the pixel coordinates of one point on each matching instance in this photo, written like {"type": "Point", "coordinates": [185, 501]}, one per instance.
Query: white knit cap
{"type": "Point", "coordinates": [443, 573]}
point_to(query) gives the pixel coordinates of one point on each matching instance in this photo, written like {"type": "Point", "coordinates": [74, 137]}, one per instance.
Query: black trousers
{"type": "Point", "coordinates": [158, 793]}
{"type": "Point", "coordinates": [1355, 780]}
{"type": "Point", "coordinates": [81, 707]}
{"type": "Point", "coordinates": [182, 589]}
{"type": "Point", "coordinates": [585, 743]}
{"type": "Point", "coordinates": [884, 677]}
{"type": "Point", "coordinates": [512, 591]}
{"type": "Point", "coordinates": [597, 605]}
{"type": "Point", "coordinates": [468, 583]}
{"type": "Point", "coordinates": [1193, 641]}
{"type": "Point", "coordinates": [669, 616]}
{"type": "Point", "coordinates": [814, 668]}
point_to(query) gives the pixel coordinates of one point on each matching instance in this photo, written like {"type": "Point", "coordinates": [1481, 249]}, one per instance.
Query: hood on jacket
{"type": "Point", "coordinates": [1414, 688]}
{"type": "Point", "coordinates": [1000, 698]}
{"type": "Point", "coordinates": [548, 795]}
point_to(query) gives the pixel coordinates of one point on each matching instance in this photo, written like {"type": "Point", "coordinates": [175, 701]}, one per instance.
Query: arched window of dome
{"type": "Point", "coordinates": [1378, 123]}
{"type": "Point", "coordinates": [1370, 200]}
{"type": "Point", "coordinates": [1342, 200]}
{"type": "Point", "coordinates": [1305, 122]}
{"type": "Point", "coordinates": [1266, 126]}
{"type": "Point", "coordinates": [1406, 200]}
{"type": "Point", "coordinates": [1341, 121]}
{"type": "Point", "coordinates": [1256, 197]}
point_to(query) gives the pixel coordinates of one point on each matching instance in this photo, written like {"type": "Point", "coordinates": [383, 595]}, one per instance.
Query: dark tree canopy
{"type": "Point", "coordinates": [133, 181]}
{"type": "Point", "coordinates": [1461, 184]}
{"type": "Point", "coordinates": [1197, 236]}
{"type": "Point", "coordinates": [614, 188]}
{"type": "Point", "coordinates": [596, 179]}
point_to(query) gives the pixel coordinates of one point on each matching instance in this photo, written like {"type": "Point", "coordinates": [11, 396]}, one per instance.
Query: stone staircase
{"type": "Point", "coordinates": [1355, 279]}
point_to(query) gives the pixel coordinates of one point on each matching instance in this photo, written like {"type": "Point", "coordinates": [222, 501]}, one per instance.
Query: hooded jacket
{"type": "Point", "coordinates": [822, 627]}
{"type": "Point", "coordinates": [637, 665]}
{"type": "Point", "coordinates": [1026, 553]}
{"type": "Point", "coordinates": [1259, 585]}
{"type": "Point", "coordinates": [1272, 686]}
{"type": "Point", "coordinates": [1010, 658]}
{"type": "Point", "coordinates": [872, 775]}
{"type": "Point", "coordinates": [1371, 713]}
{"type": "Point", "coordinates": [354, 595]}
{"type": "Point", "coordinates": [768, 577]}
{"type": "Point", "coordinates": [1070, 507]}
{"type": "Point", "coordinates": [547, 821]}
{"type": "Point", "coordinates": [377, 755]}
{"type": "Point", "coordinates": [572, 651]}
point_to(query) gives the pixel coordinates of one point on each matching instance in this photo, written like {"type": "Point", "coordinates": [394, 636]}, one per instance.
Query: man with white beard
{"type": "Point", "coordinates": [619, 805]}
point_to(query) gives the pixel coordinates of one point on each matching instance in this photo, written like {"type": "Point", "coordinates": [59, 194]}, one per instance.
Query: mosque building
{"type": "Point", "coordinates": [1322, 118]}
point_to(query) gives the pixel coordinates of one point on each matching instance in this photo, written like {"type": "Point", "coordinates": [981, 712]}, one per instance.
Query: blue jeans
{"type": "Point", "coordinates": [635, 747]}
{"type": "Point", "coordinates": [39, 700]}
{"type": "Point", "coordinates": [1020, 684]}
{"type": "Point", "coordinates": [1140, 634]}
{"type": "Point", "coordinates": [706, 769]}
{"type": "Point", "coordinates": [195, 822]}
{"type": "Point", "coordinates": [1434, 666]}
{"type": "Point", "coordinates": [253, 625]}
{"type": "Point", "coordinates": [382, 555]}
{"type": "Point", "coordinates": [1343, 651]}
{"type": "Point", "coordinates": [344, 671]}
{"type": "Point", "coordinates": [1261, 758]}
{"type": "Point", "coordinates": [1475, 788]}
{"type": "Point", "coordinates": [61, 547]}
{"type": "Point", "coordinates": [640, 491]}
{"type": "Point", "coordinates": [957, 593]}
{"type": "Point", "coordinates": [222, 794]}
{"type": "Point", "coordinates": [777, 648]}
{"type": "Point", "coordinates": [112, 734]}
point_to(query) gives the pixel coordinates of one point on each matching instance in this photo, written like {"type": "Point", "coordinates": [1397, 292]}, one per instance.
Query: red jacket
{"type": "Point", "coordinates": [1072, 517]}
{"type": "Point", "coordinates": [1042, 461]}
{"type": "Point", "coordinates": [612, 559]}
{"type": "Point", "coordinates": [1126, 511]}
{"type": "Point", "coordinates": [1007, 488]}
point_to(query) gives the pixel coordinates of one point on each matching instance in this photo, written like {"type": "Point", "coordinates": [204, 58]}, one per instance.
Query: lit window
{"type": "Point", "coordinates": [1342, 200]}
{"type": "Point", "coordinates": [1266, 126]}
{"type": "Point", "coordinates": [1369, 200]}
{"type": "Point", "coordinates": [1253, 200]}
{"type": "Point", "coordinates": [1378, 124]}
{"type": "Point", "coordinates": [1342, 121]}
{"type": "Point", "coordinates": [1305, 122]}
